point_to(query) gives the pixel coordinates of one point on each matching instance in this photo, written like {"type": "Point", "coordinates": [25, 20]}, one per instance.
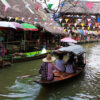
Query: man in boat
{"type": "Point", "coordinates": [47, 68]}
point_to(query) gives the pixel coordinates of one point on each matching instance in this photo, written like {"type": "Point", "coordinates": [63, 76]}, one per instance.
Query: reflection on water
{"type": "Point", "coordinates": [83, 87]}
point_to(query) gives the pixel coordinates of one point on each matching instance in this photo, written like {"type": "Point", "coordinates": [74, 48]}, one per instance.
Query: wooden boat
{"type": "Point", "coordinates": [59, 77]}
{"type": "Point", "coordinates": [78, 51]}
{"type": "Point", "coordinates": [21, 58]}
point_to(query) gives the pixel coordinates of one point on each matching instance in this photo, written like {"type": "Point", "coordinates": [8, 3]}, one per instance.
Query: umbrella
{"type": "Point", "coordinates": [17, 25]}
{"type": "Point", "coordinates": [67, 39]}
{"type": "Point", "coordinates": [6, 25]}
{"type": "Point", "coordinates": [28, 27]}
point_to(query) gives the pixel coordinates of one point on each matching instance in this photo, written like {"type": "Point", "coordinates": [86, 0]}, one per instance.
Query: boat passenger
{"type": "Point", "coordinates": [70, 65]}
{"type": "Point", "coordinates": [60, 63]}
{"type": "Point", "coordinates": [47, 68]}
{"type": "Point", "coordinates": [80, 61]}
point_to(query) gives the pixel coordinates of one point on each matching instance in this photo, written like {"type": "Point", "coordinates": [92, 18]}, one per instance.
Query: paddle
{"type": "Point", "coordinates": [24, 76]}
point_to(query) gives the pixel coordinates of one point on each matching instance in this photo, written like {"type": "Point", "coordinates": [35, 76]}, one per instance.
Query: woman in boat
{"type": "Point", "coordinates": [60, 63]}
{"type": "Point", "coordinates": [47, 68]}
{"type": "Point", "coordinates": [70, 65]}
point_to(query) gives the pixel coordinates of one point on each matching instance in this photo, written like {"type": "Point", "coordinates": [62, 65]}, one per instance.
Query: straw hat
{"type": "Point", "coordinates": [49, 58]}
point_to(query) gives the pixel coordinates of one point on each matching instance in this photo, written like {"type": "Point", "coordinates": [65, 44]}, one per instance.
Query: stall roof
{"type": "Point", "coordinates": [76, 49]}
{"type": "Point", "coordinates": [81, 7]}
{"type": "Point", "coordinates": [26, 10]}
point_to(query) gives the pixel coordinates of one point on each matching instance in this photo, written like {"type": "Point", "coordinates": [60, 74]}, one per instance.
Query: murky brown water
{"type": "Point", "coordinates": [84, 87]}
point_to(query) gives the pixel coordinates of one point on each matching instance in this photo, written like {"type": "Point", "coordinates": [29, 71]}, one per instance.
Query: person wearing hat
{"type": "Point", "coordinates": [47, 68]}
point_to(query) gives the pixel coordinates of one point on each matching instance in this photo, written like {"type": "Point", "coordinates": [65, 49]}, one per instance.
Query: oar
{"type": "Point", "coordinates": [24, 76]}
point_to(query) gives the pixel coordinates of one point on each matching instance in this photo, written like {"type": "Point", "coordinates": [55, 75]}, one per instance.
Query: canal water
{"type": "Point", "coordinates": [86, 86]}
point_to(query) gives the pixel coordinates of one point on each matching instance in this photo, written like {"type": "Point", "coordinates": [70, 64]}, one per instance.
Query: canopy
{"type": "Point", "coordinates": [67, 39]}
{"type": "Point", "coordinates": [27, 26]}
{"type": "Point", "coordinates": [17, 25]}
{"type": "Point", "coordinates": [6, 25]}
{"type": "Point", "coordinates": [76, 49]}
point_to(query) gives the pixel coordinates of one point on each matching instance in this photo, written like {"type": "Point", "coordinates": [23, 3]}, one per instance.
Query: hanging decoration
{"type": "Point", "coordinates": [27, 6]}
{"type": "Point", "coordinates": [69, 25]}
{"type": "Point", "coordinates": [88, 28]}
{"type": "Point", "coordinates": [36, 19]}
{"type": "Point", "coordinates": [60, 20]}
{"type": "Point", "coordinates": [10, 18]}
{"type": "Point", "coordinates": [63, 24]}
{"type": "Point", "coordinates": [75, 24]}
{"type": "Point", "coordinates": [63, 4]}
{"type": "Point", "coordinates": [72, 28]}
{"type": "Point", "coordinates": [57, 24]}
{"type": "Point", "coordinates": [16, 19]}
{"type": "Point", "coordinates": [6, 7]}
{"type": "Point", "coordinates": [51, 15]}
{"type": "Point", "coordinates": [50, 6]}
{"type": "Point", "coordinates": [43, 19]}
{"type": "Point", "coordinates": [64, 30]}
{"type": "Point", "coordinates": [98, 19]}
{"type": "Point", "coordinates": [82, 24]}
{"type": "Point", "coordinates": [37, 6]}
{"type": "Point", "coordinates": [89, 4]}
{"type": "Point", "coordinates": [23, 19]}
{"type": "Point", "coordinates": [96, 24]}
{"type": "Point", "coordinates": [5, 3]}
{"type": "Point", "coordinates": [66, 20]}
{"type": "Point", "coordinates": [89, 24]}
{"type": "Point", "coordinates": [54, 27]}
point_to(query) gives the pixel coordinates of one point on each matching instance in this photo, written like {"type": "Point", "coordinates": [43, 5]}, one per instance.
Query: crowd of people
{"type": "Point", "coordinates": [70, 66]}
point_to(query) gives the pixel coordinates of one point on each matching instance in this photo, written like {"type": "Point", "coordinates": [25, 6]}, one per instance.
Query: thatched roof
{"type": "Point", "coordinates": [26, 10]}
{"type": "Point", "coordinates": [81, 7]}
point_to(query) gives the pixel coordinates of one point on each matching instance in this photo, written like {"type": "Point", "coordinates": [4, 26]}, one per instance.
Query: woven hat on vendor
{"type": "Point", "coordinates": [49, 58]}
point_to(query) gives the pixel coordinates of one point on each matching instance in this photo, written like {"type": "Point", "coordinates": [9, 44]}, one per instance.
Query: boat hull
{"type": "Point", "coordinates": [60, 77]}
